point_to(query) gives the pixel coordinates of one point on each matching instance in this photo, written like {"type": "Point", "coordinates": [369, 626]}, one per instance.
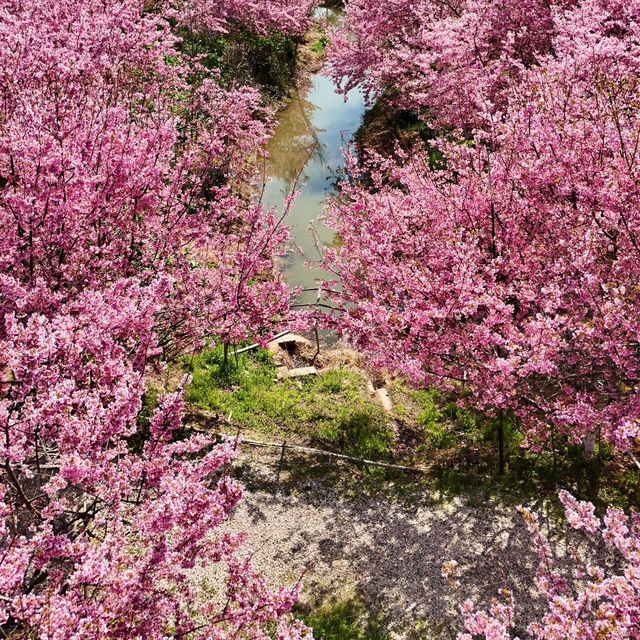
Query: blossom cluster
{"type": "Point", "coordinates": [501, 260]}
{"type": "Point", "coordinates": [127, 238]}
{"type": "Point", "coordinates": [503, 263]}
{"type": "Point", "coordinates": [595, 605]}
{"type": "Point", "coordinates": [455, 59]}
{"type": "Point", "coordinates": [290, 17]}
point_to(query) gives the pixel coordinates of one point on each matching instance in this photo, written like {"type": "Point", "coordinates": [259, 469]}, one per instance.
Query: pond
{"type": "Point", "coordinates": [306, 153]}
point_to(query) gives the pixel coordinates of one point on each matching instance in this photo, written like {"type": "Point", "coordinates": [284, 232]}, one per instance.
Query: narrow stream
{"type": "Point", "coordinates": [306, 153]}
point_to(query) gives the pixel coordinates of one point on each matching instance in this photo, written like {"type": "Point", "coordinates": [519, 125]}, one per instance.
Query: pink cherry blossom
{"type": "Point", "coordinates": [127, 238]}
{"type": "Point", "coordinates": [507, 273]}
{"type": "Point", "coordinates": [598, 606]}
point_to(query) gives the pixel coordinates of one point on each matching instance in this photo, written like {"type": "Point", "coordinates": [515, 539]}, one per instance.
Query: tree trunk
{"type": "Point", "coordinates": [589, 445]}
{"type": "Point", "coordinates": [501, 442]}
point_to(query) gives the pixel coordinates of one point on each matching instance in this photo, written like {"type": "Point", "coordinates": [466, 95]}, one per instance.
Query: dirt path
{"type": "Point", "coordinates": [391, 553]}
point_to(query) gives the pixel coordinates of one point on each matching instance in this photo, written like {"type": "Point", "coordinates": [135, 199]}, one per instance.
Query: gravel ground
{"type": "Point", "coordinates": [390, 552]}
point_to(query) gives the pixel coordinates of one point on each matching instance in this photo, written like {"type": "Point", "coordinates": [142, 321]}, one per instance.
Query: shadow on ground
{"type": "Point", "coordinates": [390, 551]}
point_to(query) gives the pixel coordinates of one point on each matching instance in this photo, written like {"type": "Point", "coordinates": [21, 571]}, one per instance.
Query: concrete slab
{"type": "Point", "coordinates": [383, 396]}
{"type": "Point", "coordinates": [302, 371]}
{"type": "Point", "coordinates": [282, 372]}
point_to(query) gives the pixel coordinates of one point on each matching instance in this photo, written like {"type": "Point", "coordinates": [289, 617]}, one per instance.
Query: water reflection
{"type": "Point", "coordinates": [297, 143]}
{"type": "Point", "coordinates": [329, 16]}
{"type": "Point", "coordinates": [307, 147]}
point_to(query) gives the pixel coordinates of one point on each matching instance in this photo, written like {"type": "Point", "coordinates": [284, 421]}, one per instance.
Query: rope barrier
{"type": "Point", "coordinates": [332, 454]}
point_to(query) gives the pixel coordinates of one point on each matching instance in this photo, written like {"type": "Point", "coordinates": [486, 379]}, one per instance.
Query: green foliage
{"type": "Point", "coordinates": [332, 381]}
{"type": "Point", "coordinates": [360, 431]}
{"type": "Point", "coordinates": [385, 126]}
{"type": "Point", "coordinates": [208, 47]}
{"type": "Point", "coordinates": [460, 448]}
{"type": "Point", "coordinates": [334, 411]}
{"type": "Point", "coordinates": [330, 409]}
{"type": "Point", "coordinates": [444, 425]}
{"type": "Point", "coordinates": [430, 419]}
{"type": "Point", "coordinates": [242, 57]}
{"type": "Point", "coordinates": [322, 43]}
{"type": "Point", "coordinates": [347, 619]}
{"type": "Point", "coordinates": [416, 123]}
{"type": "Point", "coordinates": [272, 60]}
{"type": "Point", "coordinates": [531, 476]}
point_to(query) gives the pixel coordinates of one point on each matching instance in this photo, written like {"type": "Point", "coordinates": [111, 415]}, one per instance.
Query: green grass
{"type": "Point", "coordinates": [460, 448]}
{"type": "Point", "coordinates": [442, 425]}
{"type": "Point", "coordinates": [322, 43]}
{"type": "Point", "coordinates": [350, 618]}
{"type": "Point", "coordinates": [334, 411]}
{"type": "Point", "coordinates": [347, 619]}
{"type": "Point", "coordinates": [331, 409]}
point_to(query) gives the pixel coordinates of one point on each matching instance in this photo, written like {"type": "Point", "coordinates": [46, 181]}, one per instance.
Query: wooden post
{"type": "Point", "coordinates": [284, 445]}
{"type": "Point", "coordinates": [315, 355]}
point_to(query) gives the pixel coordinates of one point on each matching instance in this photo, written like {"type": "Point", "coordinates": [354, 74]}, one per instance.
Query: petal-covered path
{"type": "Point", "coordinates": [389, 551]}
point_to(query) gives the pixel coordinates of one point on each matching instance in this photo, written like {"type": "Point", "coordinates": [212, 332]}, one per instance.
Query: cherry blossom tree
{"type": "Point", "coordinates": [282, 16]}
{"type": "Point", "coordinates": [588, 603]}
{"type": "Point", "coordinates": [127, 237]}
{"type": "Point", "coordinates": [453, 60]}
{"type": "Point", "coordinates": [504, 267]}
{"type": "Point", "coordinates": [509, 272]}
{"type": "Point", "coordinates": [100, 535]}
{"type": "Point", "coordinates": [110, 173]}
